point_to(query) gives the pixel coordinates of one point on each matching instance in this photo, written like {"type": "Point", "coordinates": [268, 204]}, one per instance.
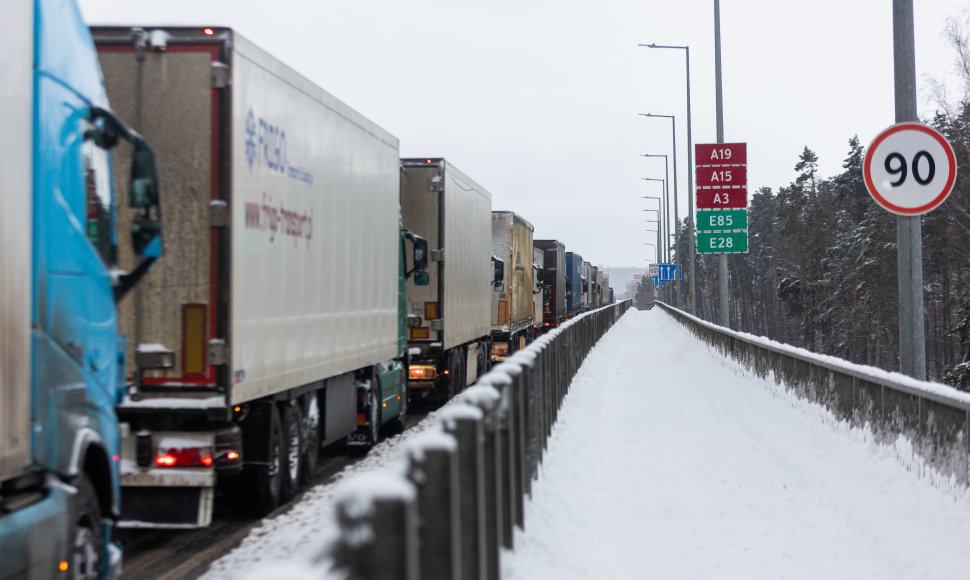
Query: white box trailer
{"type": "Point", "coordinates": [450, 317]}
{"type": "Point", "coordinates": [16, 159]}
{"type": "Point", "coordinates": [278, 299]}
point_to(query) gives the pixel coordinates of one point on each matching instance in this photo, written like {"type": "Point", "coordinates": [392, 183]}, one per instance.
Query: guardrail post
{"type": "Point", "coordinates": [464, 423]}
{"type": "Point", "coordinates": [505, 440]}
{"type": "Point", "coordinates": [487, 398]}
{"type": "Point", "coordinates": [378, 529]}
{"type": "Point", "coordinates": [518, 448]}
{"type": "Point", "coordinates": [433, 469]}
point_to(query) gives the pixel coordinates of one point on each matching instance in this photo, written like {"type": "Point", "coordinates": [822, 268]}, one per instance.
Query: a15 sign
{"type": "Point", "coordinates": [722, 176]}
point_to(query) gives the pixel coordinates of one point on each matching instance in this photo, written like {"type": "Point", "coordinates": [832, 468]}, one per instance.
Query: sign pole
{"type": "Point", "coordinates": [722, 277]}
{"type": "Point", "coordinates": [912, 341]}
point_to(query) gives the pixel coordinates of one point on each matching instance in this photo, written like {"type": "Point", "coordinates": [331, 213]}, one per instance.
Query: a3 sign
{"type": "Point", "coordinates": [722, 198]}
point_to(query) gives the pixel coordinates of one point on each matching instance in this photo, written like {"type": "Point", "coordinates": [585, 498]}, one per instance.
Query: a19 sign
{"type": "Point", "coordinates": [909, 169]}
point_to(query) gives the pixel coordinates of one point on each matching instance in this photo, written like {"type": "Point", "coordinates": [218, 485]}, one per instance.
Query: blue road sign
{"type": "Point", "coordinates": [670, 272]}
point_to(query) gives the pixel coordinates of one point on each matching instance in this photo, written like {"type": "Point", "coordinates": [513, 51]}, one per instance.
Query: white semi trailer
{"type": "Point", "coordinates": [277, 324]}
{"type": "Point", "coordinates": [450, 318]}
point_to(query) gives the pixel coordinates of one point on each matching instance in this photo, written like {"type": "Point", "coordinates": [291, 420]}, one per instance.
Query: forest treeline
{"type": "Point", "coordinates": [821, 272]}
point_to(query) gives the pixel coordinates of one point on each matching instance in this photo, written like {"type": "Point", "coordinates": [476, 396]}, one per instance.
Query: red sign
{"type": "Point", "coordinates": [722, 176]}
{"type": "Point", "coordinates": [722, 198]}
{"type": "Point", "coordinates": [721, 154]}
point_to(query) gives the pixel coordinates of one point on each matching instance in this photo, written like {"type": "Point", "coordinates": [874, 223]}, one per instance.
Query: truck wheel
{"type": "Point", "coordinates": [267, 479]}
{"type": "Point", "coordinates": [293, 446]}
{"type": "Point", "coordinates": [311, 447]}
{"type": "Point", "coordinates": [87, 542]}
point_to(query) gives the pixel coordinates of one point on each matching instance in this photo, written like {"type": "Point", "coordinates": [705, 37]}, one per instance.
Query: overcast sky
{"type": "Point", "coordinates": [538, 100]}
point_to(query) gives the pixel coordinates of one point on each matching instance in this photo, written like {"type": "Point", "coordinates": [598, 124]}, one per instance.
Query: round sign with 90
{"type": "Point", "coordinates": [909, 169]}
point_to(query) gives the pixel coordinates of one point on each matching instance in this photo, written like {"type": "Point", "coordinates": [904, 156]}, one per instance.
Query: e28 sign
{"type": "Point", "coordinates": [909, 169]}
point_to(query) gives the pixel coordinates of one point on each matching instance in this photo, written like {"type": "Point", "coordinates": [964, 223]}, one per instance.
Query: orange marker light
{"type": "Point", "coordinates": [62, 566]}
{"type": "Point", "coordinates": [232, 455]}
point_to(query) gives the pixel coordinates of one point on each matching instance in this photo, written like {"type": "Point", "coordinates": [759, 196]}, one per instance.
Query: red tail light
{"type": "Point", "coordinates": [184, 457]}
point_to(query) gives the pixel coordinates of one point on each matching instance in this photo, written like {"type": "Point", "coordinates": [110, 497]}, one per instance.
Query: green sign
{"type": "Point", "coordinates": [722, 243]}
{"type": "Point", "coordinates": [720, 220]}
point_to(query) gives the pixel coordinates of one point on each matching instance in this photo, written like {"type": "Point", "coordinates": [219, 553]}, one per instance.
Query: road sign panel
{"type": "Point", "coordinates": [722, 243]}
{"type": "Point", "coordinates": [909, 169]}
{"type": "Point", "coordinates": [722, 176]}
{"type": "Point", "coordinates": [670, 272]}
{"type": "Point", "coordinates": [714, 220]}
{"type": "Point", "coordinates": [654, 269]}
{"type": "Point", "coordinates": [721, 154]}
{"type": "Point", "coordinates": [722, 198]}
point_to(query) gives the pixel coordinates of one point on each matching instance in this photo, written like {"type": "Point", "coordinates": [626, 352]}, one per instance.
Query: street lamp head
{"type": "Point", "coordinates": [655, 45]}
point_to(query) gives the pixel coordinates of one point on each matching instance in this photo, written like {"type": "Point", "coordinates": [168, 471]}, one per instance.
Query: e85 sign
{"type": "Point", "coordinates": [909, 169]}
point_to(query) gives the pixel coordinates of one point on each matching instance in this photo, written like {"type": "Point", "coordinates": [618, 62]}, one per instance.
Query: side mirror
{"type": "Point", "coordinates": [144, 196]}
{"type": "Point", "coordinates": [420, 253]}
{"type": "Point", "coordinates": [498, 272]}
{"type": "Point", "coordinates": [146, 225]}
{"type": "Point", "coordinates": [421, 278]}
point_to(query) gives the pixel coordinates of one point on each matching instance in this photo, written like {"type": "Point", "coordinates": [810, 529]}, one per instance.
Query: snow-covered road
{"type": "Point", "coordinates": [669, 461]}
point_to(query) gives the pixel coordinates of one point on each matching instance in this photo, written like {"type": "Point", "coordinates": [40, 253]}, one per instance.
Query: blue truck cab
{"type": "Point", "coordinates": [61, 357]}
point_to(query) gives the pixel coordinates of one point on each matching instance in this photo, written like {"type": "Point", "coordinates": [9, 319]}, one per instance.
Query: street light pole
{"type": "Point", "coordinates": [722, 277]}
{"type": "Point", "coordinates": [673, 130]}
{"type": "Point", "coordinates": [666, 193]}
{"type": "Point", "coordinates": [691, 249]}
{"type": "Point", "coordinates": [665, 189]}
{"type": "Point", "coordinates": [909, 234]}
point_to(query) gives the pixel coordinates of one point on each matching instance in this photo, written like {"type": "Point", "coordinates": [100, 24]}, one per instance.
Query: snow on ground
{"type": "Point", "coordinates": [670, 461]}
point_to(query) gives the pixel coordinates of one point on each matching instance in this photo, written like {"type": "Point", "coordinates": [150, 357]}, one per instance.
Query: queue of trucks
{"type": "Point", "coordinates": [313, 284]}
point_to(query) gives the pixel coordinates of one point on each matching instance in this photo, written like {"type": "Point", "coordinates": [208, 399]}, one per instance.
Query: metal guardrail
{"type": "Point", "coordinates": [935, 418]}
{"type": "Point", "coordinates": [447, 515]}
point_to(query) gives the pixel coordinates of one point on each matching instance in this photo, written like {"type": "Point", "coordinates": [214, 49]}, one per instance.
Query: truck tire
{"type": "Point", "coordinates": [87, 541]}
{"type": "Point", "coordinates": [264, 481]}
{"type": "Point", "coordinates": [293, 448]}
{"type": "Point", "coordinates": [311, 447]}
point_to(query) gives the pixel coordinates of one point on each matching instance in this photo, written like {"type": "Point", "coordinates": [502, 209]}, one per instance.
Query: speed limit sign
{"type": "Point", "coordinates": [909, 169]}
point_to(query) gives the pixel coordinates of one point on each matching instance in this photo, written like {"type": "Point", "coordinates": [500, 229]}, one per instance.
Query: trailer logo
{"type": "Point", "coordinates": [277, 220]}
{"type": "Point", "coordinates": [266, 147]}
